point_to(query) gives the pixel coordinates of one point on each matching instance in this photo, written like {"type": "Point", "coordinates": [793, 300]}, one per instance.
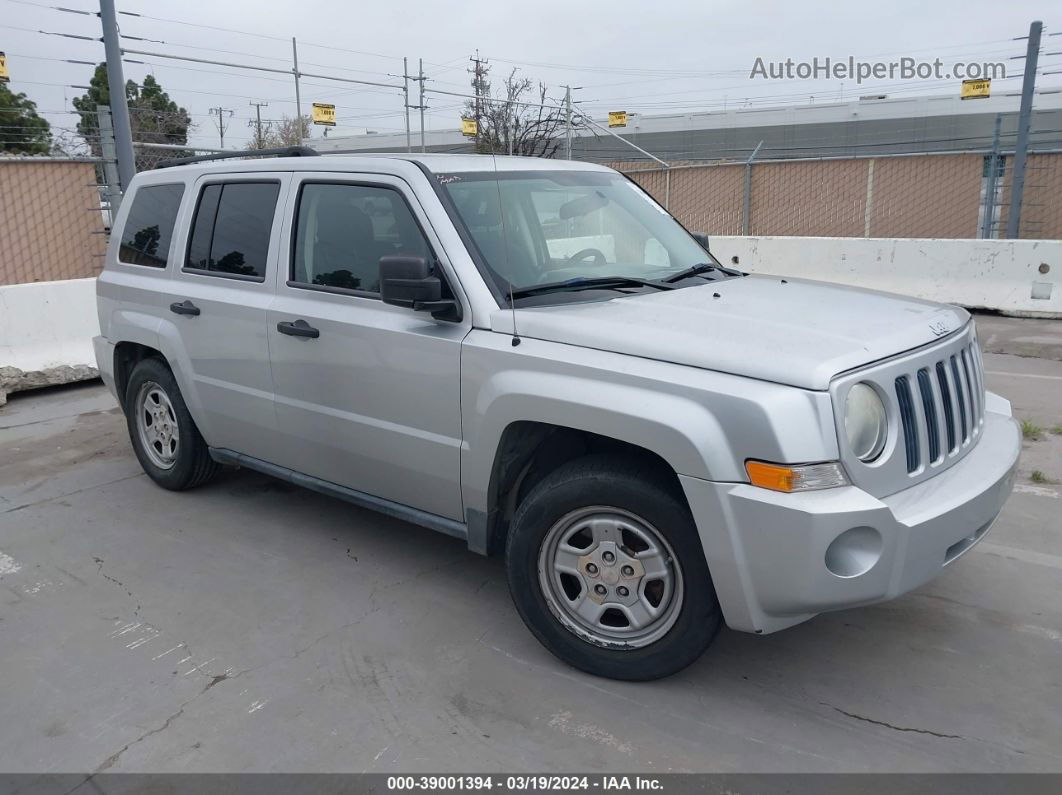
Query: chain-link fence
{"type": "Point", "coordinates": [922, 196]}
{"type": "Point", "coordinates": [1041, 207]}
{"type": "Point", "coordinates": [58, 210]}
{"type": "Point", "coordinates": [55, 219]}
{"type": "Point", "coordinates": [151, 156]}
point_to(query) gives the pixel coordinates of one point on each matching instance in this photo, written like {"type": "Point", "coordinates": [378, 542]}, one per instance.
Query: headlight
{"type": "Point", "coordinates": [864, 422]}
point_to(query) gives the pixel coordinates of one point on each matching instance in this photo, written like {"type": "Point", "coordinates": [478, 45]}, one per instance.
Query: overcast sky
{"type": "Point", "coordinates": [646, 57]}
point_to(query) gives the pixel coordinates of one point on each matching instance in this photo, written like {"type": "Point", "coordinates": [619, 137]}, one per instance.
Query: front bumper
{"type": "Point", "coordinates": [779, 559]}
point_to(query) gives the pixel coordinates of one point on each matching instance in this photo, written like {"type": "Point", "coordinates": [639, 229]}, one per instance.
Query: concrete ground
{"type": "Point", "coordinates": [253, 626]}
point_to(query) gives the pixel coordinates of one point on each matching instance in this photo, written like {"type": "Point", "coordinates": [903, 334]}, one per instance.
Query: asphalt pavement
{"type": "Point", "coordinates": [254, 626]}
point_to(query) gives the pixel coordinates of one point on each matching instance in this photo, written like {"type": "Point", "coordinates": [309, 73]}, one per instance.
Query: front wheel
{"type": "Point", "coordinates": [606, 569]}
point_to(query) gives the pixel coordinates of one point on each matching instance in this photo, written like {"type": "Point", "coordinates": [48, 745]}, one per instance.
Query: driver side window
{"type": "Point", "coordinates": [607, 228]}
{"type": "Point", "coordinates": [341, 231]}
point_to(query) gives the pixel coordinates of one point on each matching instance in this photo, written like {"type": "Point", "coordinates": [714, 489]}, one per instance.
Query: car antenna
{"type": "Point", "coordinates": [505, 241]}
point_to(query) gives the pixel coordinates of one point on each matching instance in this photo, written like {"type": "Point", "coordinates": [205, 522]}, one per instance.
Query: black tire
{"type": "Point", "coordinates": [629, 485]}
{"type": "Point", "coordinates": [193, 465]}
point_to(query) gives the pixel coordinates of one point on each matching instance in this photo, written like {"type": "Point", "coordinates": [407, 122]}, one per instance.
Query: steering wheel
{"type": "Point", "coordinates": [566, 268]}
{"type": "Point", "coordinates": [579, 256]}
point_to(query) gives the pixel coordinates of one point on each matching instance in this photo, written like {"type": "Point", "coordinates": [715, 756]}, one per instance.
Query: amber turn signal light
{"type": "Point", "coordinates": [790, 478]}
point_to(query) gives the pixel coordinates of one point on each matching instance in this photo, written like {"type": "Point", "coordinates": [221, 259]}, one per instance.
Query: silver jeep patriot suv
{"type": "Point", "coordinates": [535, 357]}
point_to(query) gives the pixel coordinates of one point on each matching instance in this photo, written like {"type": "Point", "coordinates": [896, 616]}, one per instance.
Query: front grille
{"type": "Point", "coordinates": [950, 397]}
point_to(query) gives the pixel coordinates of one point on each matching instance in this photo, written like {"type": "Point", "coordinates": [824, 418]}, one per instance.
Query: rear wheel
{"type": "Point", "coordinates": [606, 569]}
{"type": "Point", "coordinates": [164, 436]}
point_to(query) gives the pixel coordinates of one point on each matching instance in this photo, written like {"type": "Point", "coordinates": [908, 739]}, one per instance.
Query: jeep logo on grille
{"type": "Point", "coordinates": [939, 328]}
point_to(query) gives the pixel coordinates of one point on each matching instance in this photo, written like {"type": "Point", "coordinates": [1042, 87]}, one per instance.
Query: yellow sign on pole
{"type": "Point", "coordinates": [617, 118]}
{"type": "Point", "coordinates": [324, 114]}
{"type": "Point", "coordinates": [469, 128]}
{"type": "Point", "coordinates": [976, 89]}
{"type": "Point", "coordinates": [4, 76]}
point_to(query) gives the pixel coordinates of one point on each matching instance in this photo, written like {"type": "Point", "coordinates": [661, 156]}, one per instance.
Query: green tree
{"type": "Point", "coordinates": [22, 131]}
{"type": "Point", "coordinates": [153, 116]}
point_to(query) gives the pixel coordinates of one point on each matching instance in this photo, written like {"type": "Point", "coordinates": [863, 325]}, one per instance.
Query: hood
{"type": "Point", "coordinates": [791, 331]}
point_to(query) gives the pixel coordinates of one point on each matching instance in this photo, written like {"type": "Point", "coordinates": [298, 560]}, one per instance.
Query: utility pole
{"type": "Point", "coordinates": [110, 161]}
{"type": "Point", "coordinates": [123, 131]}
{"type": "Point", "coordinates": [1024, 117]}
{"type": "Point", "coordinates": [990, 188]}
{"type": "Point", "coordinates": [567, 122]}
{"type": "Point", "coordinates": [220, 113]}
{"type": "Point", "coordinates": [479, 90]}
{"type": "Point", "coordinates": [259, 138]}
{"type": "Point", "coordinates": [422, 106]}
{"type": "Point", "coordinates": [298, 96]}
{"type": "Point", "coordinates": [405, 99]}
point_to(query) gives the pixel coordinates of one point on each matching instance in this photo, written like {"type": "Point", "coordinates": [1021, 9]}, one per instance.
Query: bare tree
{"type": "Point", "coordinates": [519, 121]}
{"type": "Point", "coordinates": [285, 132]}
{"type": "Point", "coordinates": [67, 143]}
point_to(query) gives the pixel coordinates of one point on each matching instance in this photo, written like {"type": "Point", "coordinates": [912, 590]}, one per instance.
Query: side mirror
{"type": "Point", "coordinates": [409, 282]}
{"type": "Point", "coordinates": [702, 238]}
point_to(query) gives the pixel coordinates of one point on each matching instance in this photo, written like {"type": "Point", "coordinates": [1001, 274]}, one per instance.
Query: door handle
{"type": "Point", "coordinates": [185, 308]}
{"type": "Point", "coordinates": [299, 328]}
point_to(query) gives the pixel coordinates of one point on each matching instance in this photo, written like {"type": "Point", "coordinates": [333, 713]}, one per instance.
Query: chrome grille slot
{"type": "Point", "coordinates": [949, 410]}
{"type": "Point", "coordinates": [929, 410]}
{"type": "Point", "coordinates": [973, 363]}
{"type": "Point", "coordinates": [960, 398]}
{"type": "Point", "coordinates": [907, 419]}
{"type": "Point", "coordinates": [971, 399]}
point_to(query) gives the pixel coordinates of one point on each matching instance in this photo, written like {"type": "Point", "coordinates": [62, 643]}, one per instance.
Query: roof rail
{"type": "Point", "coordinates": [284, 151]}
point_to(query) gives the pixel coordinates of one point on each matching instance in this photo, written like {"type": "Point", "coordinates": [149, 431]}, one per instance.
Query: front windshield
{"type": "Point", "coordinates": [539, 227]}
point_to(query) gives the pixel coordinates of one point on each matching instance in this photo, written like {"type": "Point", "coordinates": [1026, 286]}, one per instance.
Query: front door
{"type": "Point", "coordinates": [367, 395]}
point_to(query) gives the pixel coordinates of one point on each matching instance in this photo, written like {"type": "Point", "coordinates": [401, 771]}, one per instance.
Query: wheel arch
{"type": "Point", "coordinates": [137, 335]}
{"type": "Point", "coordinates": [127, 355]}
{"type": "Point", "coordinates": [514, 410]}
{"type": "Point", "coordinates": [528, 451]}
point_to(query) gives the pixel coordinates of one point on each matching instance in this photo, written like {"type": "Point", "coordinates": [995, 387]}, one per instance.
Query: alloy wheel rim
{"type": "Point", "coordinates": [610, 577]}
{"type": "Point", "coordinates": [156, 423]}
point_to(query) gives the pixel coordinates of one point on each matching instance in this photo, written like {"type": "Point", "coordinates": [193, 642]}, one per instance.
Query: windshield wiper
{"type": "Point", "coordinates": [697, 270]}
{"type": "Point", "coordinates": [600, 282]}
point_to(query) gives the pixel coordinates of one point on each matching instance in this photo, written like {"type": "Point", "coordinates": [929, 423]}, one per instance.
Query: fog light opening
{"type": "Point", "coordinates": [854, 552]}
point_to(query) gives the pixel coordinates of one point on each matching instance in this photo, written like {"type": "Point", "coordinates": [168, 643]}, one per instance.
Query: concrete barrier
{"type": "Point", "coordinates": [1016, 277]}
{"type": "Point", "coordinates": [46, 331]}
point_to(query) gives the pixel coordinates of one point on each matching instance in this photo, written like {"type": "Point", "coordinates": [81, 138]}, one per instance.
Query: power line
{"type": "Point", "coordinates": [255, 35]}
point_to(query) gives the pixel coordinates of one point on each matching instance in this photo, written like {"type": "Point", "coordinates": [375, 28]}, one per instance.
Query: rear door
{"type": "Point", "coordinates": [371, 400]}
{"type": "Point", "coordinates": [219, 302]}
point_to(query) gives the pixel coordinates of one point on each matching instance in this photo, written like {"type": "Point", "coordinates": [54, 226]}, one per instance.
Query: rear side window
{"type": "Point", "coordinates": [230, 233]}
{"type": "Point", "coordinates": [342, 231]}
{"type": "Point", "coordinates": [149, 226]}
